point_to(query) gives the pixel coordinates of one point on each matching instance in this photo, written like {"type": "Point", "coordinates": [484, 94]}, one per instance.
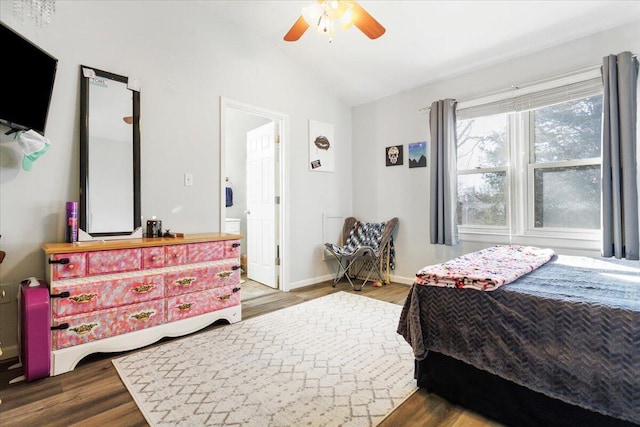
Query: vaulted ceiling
{"type": "Point", "coordinates": [425, 41]}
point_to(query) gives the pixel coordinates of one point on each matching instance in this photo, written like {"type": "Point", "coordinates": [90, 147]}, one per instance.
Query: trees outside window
{"type": "Point", "coordinates": [531, 171]}
{"type": "Point", "coordinates": [565, 161]}
{"type": "Point", "coordinates": [482, 171]}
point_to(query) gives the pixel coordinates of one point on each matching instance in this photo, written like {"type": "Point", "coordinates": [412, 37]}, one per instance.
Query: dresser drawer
{"type": "Point", "coordinates": [175, 255]}
{"type": "Point", "coordinates": [232, 249]}
{"type": "Point", "coordinates": [68, 266]}
{"type": "Point", "coordinates": [153, 257]}
{"type": "Point", "coordinates": [102, 324]}
{"type": "Point", "coordinates": [115, 261]}
{"type": "Point", "coordinates": [223, 273]}
{"type": "Point", "coordinates": [86, 296]}
{"type": "Point", "coordinates": [196, 303]}
{"type": "Point", "coordinates": [203, 252]}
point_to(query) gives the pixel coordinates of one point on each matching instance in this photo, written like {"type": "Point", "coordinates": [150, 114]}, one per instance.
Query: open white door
{"type": "Point", "coordinates": [261, 231]}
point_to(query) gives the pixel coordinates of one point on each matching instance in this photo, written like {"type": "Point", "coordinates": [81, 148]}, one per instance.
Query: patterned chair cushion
{"type": "Point", "coordinates": [363, 234]}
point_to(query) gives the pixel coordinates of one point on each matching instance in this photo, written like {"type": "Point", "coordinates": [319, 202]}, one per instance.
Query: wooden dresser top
{"type": "Point", "coordinates": [102, 245]}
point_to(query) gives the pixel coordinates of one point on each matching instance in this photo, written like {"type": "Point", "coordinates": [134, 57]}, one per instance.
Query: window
{"type": "Point", "coordinates": [565, 164]}
{"type": "Point", "coordinates": [531, 173]}
{"type": "Point", "coordinates": [482, 171]}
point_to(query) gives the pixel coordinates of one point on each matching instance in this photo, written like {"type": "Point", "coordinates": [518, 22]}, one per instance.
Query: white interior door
{"type": "Point", "coordinates": [261, 232]}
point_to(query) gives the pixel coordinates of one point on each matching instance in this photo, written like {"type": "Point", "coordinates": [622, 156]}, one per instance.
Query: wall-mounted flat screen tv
{"type": "Point", "coordinates": [26, 82]}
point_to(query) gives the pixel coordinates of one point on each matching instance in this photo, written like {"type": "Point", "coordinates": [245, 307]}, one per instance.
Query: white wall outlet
{"type": "Point", "coordinates": [188, 179]}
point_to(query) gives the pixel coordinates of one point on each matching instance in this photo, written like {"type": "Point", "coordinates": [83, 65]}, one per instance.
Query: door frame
{"type": "Point", "coordinates": [282, 184]}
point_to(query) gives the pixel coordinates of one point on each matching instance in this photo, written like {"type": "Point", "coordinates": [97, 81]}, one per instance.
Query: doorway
{"type": "Point", "coordinates": [252, 168]}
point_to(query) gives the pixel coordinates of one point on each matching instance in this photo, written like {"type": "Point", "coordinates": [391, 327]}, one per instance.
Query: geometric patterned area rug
{"type": "Point", "coordinates": [332, 361]}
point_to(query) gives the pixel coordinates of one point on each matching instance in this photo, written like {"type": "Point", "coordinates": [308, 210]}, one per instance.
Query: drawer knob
{"type": "Point", "coordinates": [224, 297]}
{"type": "Point", "coordinates": [185, 281]}
{"type": "Point", "coordinates": [224, 274]}
{"type": "Point", "coordinates": [83, 329]}
{"type": "Point", "coordinates": [185, 306]}
{"type": "Point", "coordinates": [59, 261]}
{"type": "Point", "coordinates": [236, 290]}
{"type": "Point", "coordinates": [153, 258]}
{"type": "Point", "coordinates": [142, 289]}
{"type": "Point", "coordinates": [235, 267]}
{"type": "Point", "coordinates": [143, 316]}
{"type": "Point", "coordinates": [60, 327]}
{"type": "Point", "coordinates": [235, 245]}
{"type": "Point", "coordinates": [70, 266]}
{"type": "Point", "coordinates": [83, 298]}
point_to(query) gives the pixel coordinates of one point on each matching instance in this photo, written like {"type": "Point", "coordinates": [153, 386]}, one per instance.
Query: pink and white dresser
{"type": "Point", "coordinates": [123, 294]}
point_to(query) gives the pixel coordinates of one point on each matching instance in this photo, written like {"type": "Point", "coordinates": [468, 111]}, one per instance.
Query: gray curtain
{"type": "Point", "coordinates": [442, 120]}
{"type": "Point", "coordinates": [619, 185]}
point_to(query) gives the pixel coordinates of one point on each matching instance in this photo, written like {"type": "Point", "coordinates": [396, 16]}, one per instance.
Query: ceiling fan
{"type": "Point", "coordinates": [329, 15]}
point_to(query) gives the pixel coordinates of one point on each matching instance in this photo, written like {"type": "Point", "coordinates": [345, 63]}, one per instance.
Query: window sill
{"type": "Point", "coordinates": [575, 245]}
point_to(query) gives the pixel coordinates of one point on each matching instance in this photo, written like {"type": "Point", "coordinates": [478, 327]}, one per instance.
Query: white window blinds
{"type": "Point", "coordinates": [532, 97]}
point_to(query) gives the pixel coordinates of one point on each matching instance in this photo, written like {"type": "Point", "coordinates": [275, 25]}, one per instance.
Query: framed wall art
{"type": "Point", "coordinates": [418, 155]}
{"type": "Point", "coordinates": [394, 155]}
{"type": "Point", "coordinates": [321, 147]}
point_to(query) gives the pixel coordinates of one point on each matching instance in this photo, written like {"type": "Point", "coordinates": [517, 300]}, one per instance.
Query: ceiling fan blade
{"type": "Point", "coordinates": [297, 30]}
{"type": "Point", "coordinates": [366, 23]}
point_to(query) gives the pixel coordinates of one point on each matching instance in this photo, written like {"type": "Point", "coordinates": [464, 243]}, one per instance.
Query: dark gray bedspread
{"type": "Point", "coordinates": [570, 330]}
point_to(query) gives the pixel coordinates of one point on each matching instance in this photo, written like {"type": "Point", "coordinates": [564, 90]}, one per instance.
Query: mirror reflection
{"type": "Point", "coordinates": [109, 155]}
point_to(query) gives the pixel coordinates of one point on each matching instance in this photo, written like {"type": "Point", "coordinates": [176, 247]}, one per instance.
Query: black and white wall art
{"type": "Point", "coordinates": [394, 155]}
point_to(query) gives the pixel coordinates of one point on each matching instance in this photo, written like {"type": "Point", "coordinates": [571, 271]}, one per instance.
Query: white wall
{"type": "Point", "coordinates": [382, 192]}
{"type": "Point", "coordinates": [185, 59]}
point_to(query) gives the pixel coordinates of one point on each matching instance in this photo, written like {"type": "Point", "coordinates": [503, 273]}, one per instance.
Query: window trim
{"type": "Point", "coordinates": [519, 186]}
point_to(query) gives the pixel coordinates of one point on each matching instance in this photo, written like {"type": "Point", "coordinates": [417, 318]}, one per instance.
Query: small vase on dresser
{"type": "Point", "coordinates": [117, 295]}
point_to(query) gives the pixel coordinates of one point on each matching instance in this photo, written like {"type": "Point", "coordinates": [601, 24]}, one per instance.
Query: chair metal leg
{"type": "Point", "coordinates": [360, 262]}
{"type": "Point", "coordinates": [342, 272]}
{"type": "Point", "coordinates": [371, 268]}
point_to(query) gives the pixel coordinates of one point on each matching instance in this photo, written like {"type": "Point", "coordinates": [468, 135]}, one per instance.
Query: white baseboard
{"type": "Point", "coordinates": [403, 280]}
{"type": "Point", "coordinates": [302, 283]}
{"type": "Point", "coordinates": [312, 281]}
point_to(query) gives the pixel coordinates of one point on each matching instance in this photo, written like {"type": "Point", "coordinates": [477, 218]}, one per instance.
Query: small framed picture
{"type": "Point", "coordinates": [394, 155]}
{"type": "Point", "coordinates": [418, 155]}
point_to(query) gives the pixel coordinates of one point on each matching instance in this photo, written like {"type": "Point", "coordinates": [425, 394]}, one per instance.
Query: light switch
{"type": "Point", "coordinates": [188, 179]}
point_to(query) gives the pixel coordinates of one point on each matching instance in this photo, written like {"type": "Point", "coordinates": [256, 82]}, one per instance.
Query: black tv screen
{"type": "Point", "coordinates": [26, 82]}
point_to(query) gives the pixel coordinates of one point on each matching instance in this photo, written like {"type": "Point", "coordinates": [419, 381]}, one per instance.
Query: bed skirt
{"type": "Point", "coordinates": [499, 399]}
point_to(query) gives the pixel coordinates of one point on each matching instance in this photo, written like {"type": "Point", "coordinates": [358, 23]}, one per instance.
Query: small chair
{"type": "Point", "coordinates": [367, 248]}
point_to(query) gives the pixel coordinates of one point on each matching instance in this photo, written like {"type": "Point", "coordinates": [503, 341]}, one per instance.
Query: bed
{"type": "Point", "coordinates": [557, 346]}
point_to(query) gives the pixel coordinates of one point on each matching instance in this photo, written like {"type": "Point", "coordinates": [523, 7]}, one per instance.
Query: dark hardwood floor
{"type": "Point", "coordinates": [93, 395]}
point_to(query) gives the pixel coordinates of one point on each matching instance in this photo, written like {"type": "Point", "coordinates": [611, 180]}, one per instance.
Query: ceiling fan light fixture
{"type": "Point", "coordinates": [328, 15]}
{"type": "Point", "coordinates": [326, 25]}
{"type": "Point", "coordinates": [312, 13]}
{"type": "Point", "coordinates": [347, 18]}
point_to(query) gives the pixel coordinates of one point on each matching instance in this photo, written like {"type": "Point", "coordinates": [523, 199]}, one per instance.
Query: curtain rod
{"type": "Point", "coordinates": [513, 87]}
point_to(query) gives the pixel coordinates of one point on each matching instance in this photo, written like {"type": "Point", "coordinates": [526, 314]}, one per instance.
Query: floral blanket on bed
{"type": "Point", "coordinates": [485, 270]}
